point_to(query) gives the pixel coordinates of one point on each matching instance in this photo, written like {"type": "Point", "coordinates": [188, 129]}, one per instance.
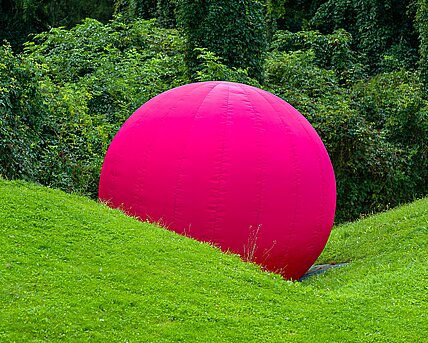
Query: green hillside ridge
{"type": "Point", "coordinates": [74, 270]}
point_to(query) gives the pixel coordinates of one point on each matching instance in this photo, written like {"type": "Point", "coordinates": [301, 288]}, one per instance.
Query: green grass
{"type": "Point", "coordinates": [75, 270]}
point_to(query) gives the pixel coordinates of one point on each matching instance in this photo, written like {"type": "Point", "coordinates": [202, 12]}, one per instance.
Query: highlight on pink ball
{"type": "Point", "coordinates": [229, 164]}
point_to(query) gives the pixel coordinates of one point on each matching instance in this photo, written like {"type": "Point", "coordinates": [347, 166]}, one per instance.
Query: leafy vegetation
{"type": "Point", "coordinates": [358, 82]}
{"type": "Point", "coordinates": [132, 9]}
{"type": "Point", "coordinates": [60, 114]}
{"type": "Point", "coordinates": [374, 129]}
{"type": "Point", "coordinates": [18, 18]}
{"type": "Point", "coordinates": [379, 28]}
{"type": "Point", "coordinates": [76, 270]}
{"type": "Point", "coordinates": [233, 30]}
{"type": "Point", "coordinates": [422, 26]}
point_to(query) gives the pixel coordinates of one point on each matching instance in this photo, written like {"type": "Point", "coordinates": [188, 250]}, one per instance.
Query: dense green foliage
{"type": "Point", "coordinates": [233, 30]}
{"type": "Point", "coordinates": [422, 26]}
{"type": "Point", "coordinates": [167, 13]}
{"type": "Point", "coordinates": [295, 15]}
{"type": "Point", "coordinates": [59, 114]}
{"type": "Point", "coordinates": [18, 18]}
{"type": "Point", "coordinates": [379, 28]}
{"type": "Point", "coordinates": [65, 96]}
{"type": "Point", "coordinates": [20, 127]}
{"type": "Point", "coordinates": [75, 270]}
{"type": "Point", "coordinates": [375, 130]}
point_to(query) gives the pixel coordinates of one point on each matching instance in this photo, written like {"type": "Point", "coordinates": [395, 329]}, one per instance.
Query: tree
{"type": "Point", "coordinates": [382, 30]}
{"type": "Point", "coordinates": [133, 9]}
{"type": "Point", "coordinates": [18, 19]}
{"type": "Point", "coordinates": [422, 26]}
{"type": "Point", "coordinates": [166, 13]}
{"type": "Point", "coordinates": [233, 30]}
{"type": "Point", "coordinates": [295, 15]}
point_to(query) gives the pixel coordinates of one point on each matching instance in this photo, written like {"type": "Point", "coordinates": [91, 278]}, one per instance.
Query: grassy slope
{"type": "Point", "coordinates": [74, 270]}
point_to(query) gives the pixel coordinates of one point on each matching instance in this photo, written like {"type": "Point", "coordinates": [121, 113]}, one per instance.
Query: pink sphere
{"type": "Point", "coordinates": [229, 164]}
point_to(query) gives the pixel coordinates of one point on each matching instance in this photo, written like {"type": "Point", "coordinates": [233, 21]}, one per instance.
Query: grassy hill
{"type": "Point", "coordinates": [75, 270]}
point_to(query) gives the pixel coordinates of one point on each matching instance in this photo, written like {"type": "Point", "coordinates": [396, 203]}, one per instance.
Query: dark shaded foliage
{"type": "Point", "coordinates": [66, 95]}
{"type": "Point", "coordinates": [374, 129]}
{"type": "Point", "coordinates": [422, 26]}
{"type": "Point", "coordinates": [134, 9]}
{"type": "Point", "coordinates": [64, 99]}
{"type": "Point", "coordinates": [233, 30]}
{"type": "Point", "coordinates": [379, 28]}
{"type": "Point", "coordinates": [18, 19]}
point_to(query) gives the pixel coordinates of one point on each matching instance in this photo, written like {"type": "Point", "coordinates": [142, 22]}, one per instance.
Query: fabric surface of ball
{"type": "Point", "coordinates": [229, 164]}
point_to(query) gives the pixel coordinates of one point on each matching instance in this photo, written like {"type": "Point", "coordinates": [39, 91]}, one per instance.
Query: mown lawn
{"type": "Point", "coordinates": [75, 270]}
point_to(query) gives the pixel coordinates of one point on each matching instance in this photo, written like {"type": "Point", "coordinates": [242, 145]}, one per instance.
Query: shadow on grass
{"type": "Point", "coordinates": [320, 268]}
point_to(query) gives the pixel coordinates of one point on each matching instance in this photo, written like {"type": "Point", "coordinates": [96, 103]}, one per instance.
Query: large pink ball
{"type": "Point", "coordinates": [229, 164]}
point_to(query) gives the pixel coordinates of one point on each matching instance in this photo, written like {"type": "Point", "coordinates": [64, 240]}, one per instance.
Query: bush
{"type": "Point", "coordinates": [20, 126]}
{"type": "Point", "coordinates": [331, 51]}
{"type": "Point", "coordinates": [67, 96]}
{"type": "Point", "coordinates": [367, 130]}
{"type": "Point", "coordinates": [212, 69]}
{"type": "Point", "coordinates": [378, 28]}
{"type": "Point", "coordinates": [233, 30]}
{"type": "Point", "coordinates": [396, 106]}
